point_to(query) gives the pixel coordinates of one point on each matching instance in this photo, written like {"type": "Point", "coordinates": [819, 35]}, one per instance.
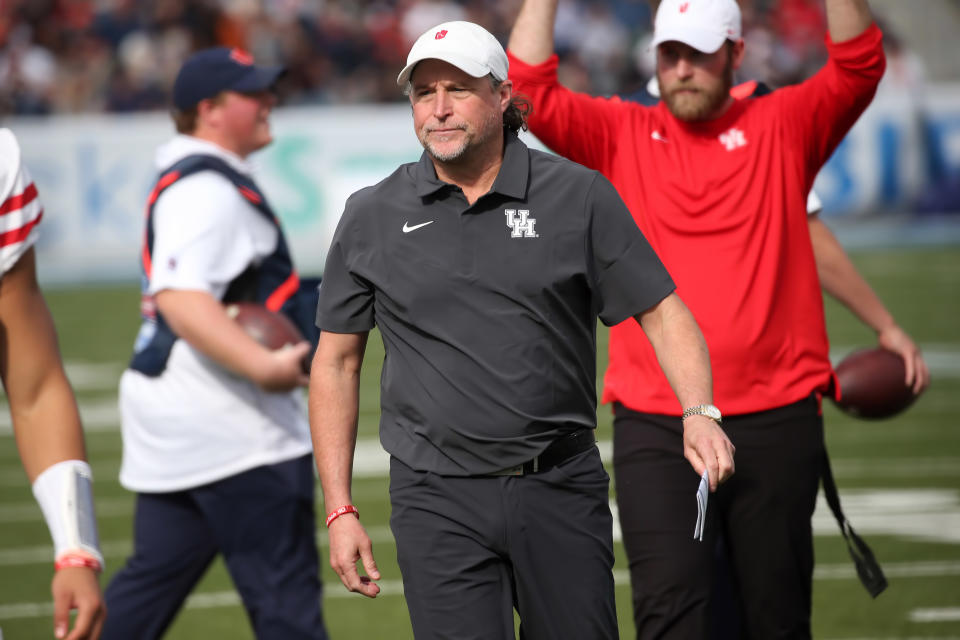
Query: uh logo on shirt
{"type": "Point", "coordinates": [733, 139]}
{"type": "Point", "coordinates": [521, 224]}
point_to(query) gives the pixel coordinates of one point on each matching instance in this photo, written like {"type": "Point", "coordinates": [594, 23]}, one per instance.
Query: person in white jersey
{"type": "Point", "coordinates": [215, 435]}
{"type": "Point", "coordinates": [46, 422]}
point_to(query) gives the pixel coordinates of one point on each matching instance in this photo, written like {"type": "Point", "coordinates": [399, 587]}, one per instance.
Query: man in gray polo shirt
{"type": "Point", "coordinates": [485, 265]}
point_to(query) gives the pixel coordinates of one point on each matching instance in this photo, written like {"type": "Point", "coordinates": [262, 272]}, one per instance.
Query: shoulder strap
{"type": "Point", "coordinates": [868, 569]}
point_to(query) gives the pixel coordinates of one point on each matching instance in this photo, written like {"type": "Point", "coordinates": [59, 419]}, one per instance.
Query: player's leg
{"type": "Point", "coordinates": [450, 547]}
{"type": "Point", "coordinates": [172, 549]}
{"type": "Point", "coordinates": [671, 574]}
{"type": "Point", "coordinates": [560, 533]}
{"type": "Point", "coordinates": [266, 529]}
{"type": "Point", "coordinates": [768, 517]}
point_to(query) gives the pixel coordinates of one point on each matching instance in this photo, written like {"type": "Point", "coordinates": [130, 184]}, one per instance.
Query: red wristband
{"type": "Point", "coordinates": [70, 561]}
{"type": "Point", "coordinates": [336, 513]}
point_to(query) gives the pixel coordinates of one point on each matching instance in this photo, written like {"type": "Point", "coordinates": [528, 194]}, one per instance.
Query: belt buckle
{"type": "Point", "coordinates": [516, 470]}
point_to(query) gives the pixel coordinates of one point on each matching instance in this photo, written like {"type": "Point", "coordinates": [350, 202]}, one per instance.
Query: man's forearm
{"type": "Point", "coordinates": [681, 350]}
{"type": "Point", "coordinates": [683, 356]}
{"type": "Point", "coordinates": [334, 408]}
{"type": "Point", "coordinates": [531, 39]}
{"type": "Point", "coordinates": [200, 319]}
{"type": "Point", "coordinates": [847, 19]}
{"type": "Point", "coordinates": [42, 405]}
{"type": "Point", "coordinates": [840, 278]}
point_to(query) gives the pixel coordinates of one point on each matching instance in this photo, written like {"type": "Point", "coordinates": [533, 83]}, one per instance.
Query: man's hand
{"type": "Point", "coordinates": [895, 339]}
{"type": "Point", "coordinates": [531, 39]}
{"type": "Point", "coordinates": [285, 370]}
{"type": "Point", "coordinates": [706, 446]}
{"type": "Point", "coordinates": [349, 543]}
{"type": "Point", "coordinates": [77, 588]}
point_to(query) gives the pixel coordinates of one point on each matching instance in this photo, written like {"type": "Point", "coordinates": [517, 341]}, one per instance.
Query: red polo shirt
{"type": "Point", "coordinates": [723, 203]}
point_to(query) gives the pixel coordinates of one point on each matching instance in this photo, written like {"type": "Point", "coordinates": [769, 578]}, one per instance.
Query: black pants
{"type": "Point", "coordinates": [473, 549]}
{"type": "Point", "coordinates": [763, 512]}
{"type": "Point", "coordinates": [262, 520]}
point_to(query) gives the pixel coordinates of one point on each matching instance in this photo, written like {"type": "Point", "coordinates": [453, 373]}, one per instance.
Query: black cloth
{"type": "Point", "coordinates": [763, 511]}
{"type": "Point", "coordinates": [261, 520]}
{"type": "Point", "coordinates": [487, 311]}
{"type": "Point", "coordinates": [472, 549]}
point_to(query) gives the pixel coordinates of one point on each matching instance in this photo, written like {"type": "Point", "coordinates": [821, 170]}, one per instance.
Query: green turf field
{"type": "Point", "coordinates": [900, 480]}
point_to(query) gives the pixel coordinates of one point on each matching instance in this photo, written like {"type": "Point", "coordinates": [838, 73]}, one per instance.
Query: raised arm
{"type": "Point", "coordinates": [334, 406]}
{"type": "Point", "coordinates": [532, 37]}
{"type": "Point", "coordinates": [683, 356]}
{"type": "Point", "coordinates": [840, 278]}
{"type": "Point", "coordinates": [847, 19]}
{"type": "Point", "coordinates": [49, 437]}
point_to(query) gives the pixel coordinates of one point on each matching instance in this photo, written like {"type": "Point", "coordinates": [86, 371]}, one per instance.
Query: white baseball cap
{"type": "Point", "coordinates": [465, 45]}
{"type": "Point", "coordinates": [702, 24]}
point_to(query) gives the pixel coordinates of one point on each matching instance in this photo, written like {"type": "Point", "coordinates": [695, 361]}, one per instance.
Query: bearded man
{"type": "Point", "coordinates": [719, 188]}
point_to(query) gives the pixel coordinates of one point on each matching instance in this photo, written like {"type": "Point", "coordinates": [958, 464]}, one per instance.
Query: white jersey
{"type": "Point", "coordinates": [196, 422]}
{"type": "Point", "coordinates": [20, 209]}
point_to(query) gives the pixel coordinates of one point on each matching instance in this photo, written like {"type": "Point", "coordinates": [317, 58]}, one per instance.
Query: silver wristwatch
{"type": "Point", "coordinates": [708, 410]}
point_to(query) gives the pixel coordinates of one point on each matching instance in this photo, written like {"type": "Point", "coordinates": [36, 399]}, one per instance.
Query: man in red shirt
{"type": "Point", "coordinates": [719, 188]}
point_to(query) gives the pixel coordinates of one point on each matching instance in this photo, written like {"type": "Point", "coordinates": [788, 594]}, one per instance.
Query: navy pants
{"type": "Point", "coordinates": [261, 520]}
{"type": "Point", "coordinates": [758, 522]}
{"type": "Point", "coordinates": [473, 549]}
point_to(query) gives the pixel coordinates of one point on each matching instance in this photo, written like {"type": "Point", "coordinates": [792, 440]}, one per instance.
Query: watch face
{"type": "Point", "coordinates": [711, 412]}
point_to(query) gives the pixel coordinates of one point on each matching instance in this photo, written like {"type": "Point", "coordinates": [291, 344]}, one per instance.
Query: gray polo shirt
{"type": "Point", "coordinates": [488, 312]}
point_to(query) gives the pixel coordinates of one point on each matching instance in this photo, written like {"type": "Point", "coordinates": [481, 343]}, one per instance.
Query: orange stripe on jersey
{"type": "Point", "coordinates": [744, 90]}
{"type": "Point", "coordinates": [147, 261]}
{"type": "Point", "coordinates": [13, 203]}
{"type": "Point", "coordinates": [283, 292]}
{"type": "Point", "coordinates": [164, 182]}
{"type": "Point", "coordinates": [250, 195]}
{"type": "Point", "coordinates": [20, 233]}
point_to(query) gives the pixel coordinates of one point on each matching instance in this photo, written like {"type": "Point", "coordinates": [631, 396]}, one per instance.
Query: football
{"type": "Point", "coordinates": [872, 384]}
{"type": "Point", "coordinates": [272, 330]}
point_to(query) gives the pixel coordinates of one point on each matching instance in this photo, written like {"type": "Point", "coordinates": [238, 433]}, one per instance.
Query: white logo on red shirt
{"type": "Point", "coordinates": [659, 137]}
{"type": "Point", "coordinates": [733, 139]}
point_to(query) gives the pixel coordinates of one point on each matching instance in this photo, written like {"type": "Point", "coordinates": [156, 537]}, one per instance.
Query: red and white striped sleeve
{"type": "Point", "coordinates": [20, 208]}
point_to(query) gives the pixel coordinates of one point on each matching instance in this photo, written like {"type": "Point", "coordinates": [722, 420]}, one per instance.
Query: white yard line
{"type": "Point", "coordinates": [97, 416]}
{"type": "Point", "coordinates": [943, 614]}
{"type": "Point", "coordinates": [333, 590]}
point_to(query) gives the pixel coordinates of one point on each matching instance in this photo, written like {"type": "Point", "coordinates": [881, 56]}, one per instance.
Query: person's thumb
{"type": "Point", "coordinates": [61, 615]}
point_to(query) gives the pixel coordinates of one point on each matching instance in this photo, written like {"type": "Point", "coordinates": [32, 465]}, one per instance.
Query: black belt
{"type": "Point", "coordinates": [557, 452]}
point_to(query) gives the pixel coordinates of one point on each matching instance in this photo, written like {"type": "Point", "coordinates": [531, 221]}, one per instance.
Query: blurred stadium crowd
{"type": "Point", "coordinates": [76, 56]}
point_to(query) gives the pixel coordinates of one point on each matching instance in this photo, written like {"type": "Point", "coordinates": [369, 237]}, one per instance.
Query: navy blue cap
{"type": "Point", "coordinates": [210, 71]}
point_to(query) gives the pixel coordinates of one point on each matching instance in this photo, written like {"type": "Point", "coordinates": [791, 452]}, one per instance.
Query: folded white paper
{"type": "Point", "coordinates": [703, 492]}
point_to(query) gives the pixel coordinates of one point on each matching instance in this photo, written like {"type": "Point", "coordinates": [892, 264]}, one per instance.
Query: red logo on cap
{"type": "Point", "coordinates": [684, 7]}
{"type": "Point", "coordinates": [241, 57]}
{"type": "Point", "coordinates": [440, 35]}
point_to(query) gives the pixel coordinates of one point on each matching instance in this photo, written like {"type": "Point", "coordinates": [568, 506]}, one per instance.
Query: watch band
{"type": "Point", "coordinates": [708, 410]}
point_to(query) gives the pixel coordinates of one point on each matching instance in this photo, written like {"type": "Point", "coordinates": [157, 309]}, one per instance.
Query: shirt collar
{"type": "Point", "coordinates": [183, 145]}
{"type": "Point", "coordinates": [512, 179]}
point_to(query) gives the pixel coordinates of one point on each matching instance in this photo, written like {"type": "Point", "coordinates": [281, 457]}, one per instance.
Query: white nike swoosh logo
{"type": "Point", "coordinates": [659, 138]}
{"type": "Point", "coordinates": [407, 228]}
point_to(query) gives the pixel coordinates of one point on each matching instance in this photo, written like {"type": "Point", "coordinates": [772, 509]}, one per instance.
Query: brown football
{"type": "Point", "coordinates": [872, 384]}
{"type": "Point", "coordinates": [272, 330]}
